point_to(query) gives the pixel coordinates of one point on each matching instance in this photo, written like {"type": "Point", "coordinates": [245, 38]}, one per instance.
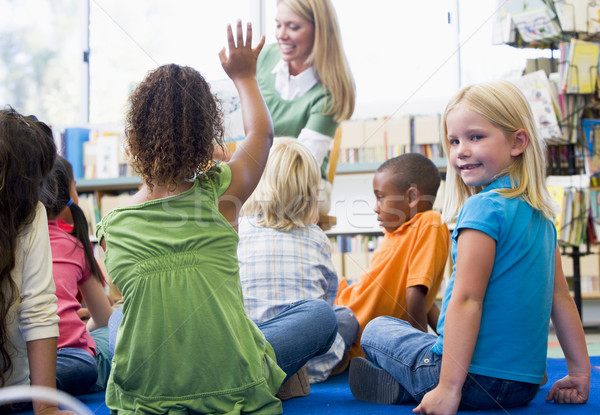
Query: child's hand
{"type": "Point", "coordinates": [570, 389]}
{"type": "Point", "coordinates": [241, 62]}
{"type": "Point", "coordinates": [438, 401]}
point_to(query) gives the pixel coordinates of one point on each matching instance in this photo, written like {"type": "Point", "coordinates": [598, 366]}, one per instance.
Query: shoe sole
{"type": "Point", "coordinates": [372, 384]}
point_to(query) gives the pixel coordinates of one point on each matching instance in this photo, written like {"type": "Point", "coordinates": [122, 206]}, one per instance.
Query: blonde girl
{"type": "Point", "coordinates": [284, 257]}
{"type": "Point", "coordinates": [507, 281]}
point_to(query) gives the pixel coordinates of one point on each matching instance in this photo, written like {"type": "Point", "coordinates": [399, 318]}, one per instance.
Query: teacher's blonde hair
{"type": "Point", "coordinates": [327, 57]}
{"type": "Point", "coordinates": [505, 106]}
{"type": "Point", "coordinates": [286, 196]}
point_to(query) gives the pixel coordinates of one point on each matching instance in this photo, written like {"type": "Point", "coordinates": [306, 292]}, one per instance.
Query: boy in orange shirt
{"type": "Point", "coordinates": [407, 267]}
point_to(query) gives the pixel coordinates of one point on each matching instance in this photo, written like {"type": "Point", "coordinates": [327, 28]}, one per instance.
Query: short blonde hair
{"type": "Point", "coordinates": [286, 196]}
{"type": "Point", "coordinates": [327, 56]}
{"type": "Point", "coordinates": [505, 106]}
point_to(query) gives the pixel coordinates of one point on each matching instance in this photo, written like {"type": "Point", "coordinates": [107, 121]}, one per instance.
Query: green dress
{"type": "Point", "coordinates": [185, 344]}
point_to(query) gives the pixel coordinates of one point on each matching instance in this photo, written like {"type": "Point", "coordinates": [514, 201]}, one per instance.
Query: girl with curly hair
{"type": "Point", "coordinates": [184, 342]}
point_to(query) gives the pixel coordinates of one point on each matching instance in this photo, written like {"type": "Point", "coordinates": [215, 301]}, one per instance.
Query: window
{"type": "Point", "coordinates": [405, 60]}
{"type": "Point", "coordinates": [40, 55]}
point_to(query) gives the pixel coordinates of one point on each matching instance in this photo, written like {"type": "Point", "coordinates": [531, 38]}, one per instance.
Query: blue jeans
{"type": "Point", "coordinates": [405, 353]}
{"type": "Point", "coordinates": [348, 326]}
{"type": "Point", "coordinates": [300, 332]}
{"type": "Point", "coordinates": [76, 370]}
{"type": "Point", "coordinates": [103, 358]}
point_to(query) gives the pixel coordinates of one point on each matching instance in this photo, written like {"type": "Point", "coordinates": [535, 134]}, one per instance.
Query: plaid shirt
{"type": "Point", "coordinates": [280, 268]}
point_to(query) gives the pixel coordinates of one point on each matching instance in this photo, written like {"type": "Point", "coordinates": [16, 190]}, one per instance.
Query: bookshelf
{"type": "Point", "coordinates": [366, 143]}
{"type": "Point", "coordinates": [112, 184]}
{"type": "Point", "coordinates": [573, 29]}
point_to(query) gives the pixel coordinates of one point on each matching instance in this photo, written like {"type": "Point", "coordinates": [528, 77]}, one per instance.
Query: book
{"type": "Point", "coordinates": [536, 23]}
{"type": "Point", "coordinates": [538, 91]}
{"type": "Point", "coordinates": [558, 195]}
{"type": "Point", "coordinates": [582, 70]}
{"type": "Point", "coordinates": [580, 16]}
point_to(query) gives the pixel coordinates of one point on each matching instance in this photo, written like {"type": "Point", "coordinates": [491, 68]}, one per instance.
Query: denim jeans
{"type": "Point", "coordinates": [405, 353]}
{"type": "Point", "coordinates": [103, 358]}
{"type": "Point", "coordinates": [76, 370]}
{"type": "Point", "coordinates": [348, 326]}
{"type": "Point", "coordinates": [301, 331]}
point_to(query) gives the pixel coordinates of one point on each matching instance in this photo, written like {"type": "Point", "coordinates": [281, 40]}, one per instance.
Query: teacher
{"type": "Point", "coordinates": [305, 78]}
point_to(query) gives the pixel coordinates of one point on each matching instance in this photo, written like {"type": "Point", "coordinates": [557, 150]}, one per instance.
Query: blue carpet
{"type": "Point", "coordinates": [334, 397]}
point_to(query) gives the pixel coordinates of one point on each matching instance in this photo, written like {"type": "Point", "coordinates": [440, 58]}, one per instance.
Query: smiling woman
{"type": "Point", "coordinates": [305, 78]}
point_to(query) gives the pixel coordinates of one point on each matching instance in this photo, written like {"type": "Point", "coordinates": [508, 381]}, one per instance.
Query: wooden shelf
{"type": "Point", "coordinates": [349, 168]}
{"type": "Point", "coordinates": [117, 183]}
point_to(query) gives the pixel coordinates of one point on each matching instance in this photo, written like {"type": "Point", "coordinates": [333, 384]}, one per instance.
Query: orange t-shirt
{"type": "Point", "coordinates": [414, 254]}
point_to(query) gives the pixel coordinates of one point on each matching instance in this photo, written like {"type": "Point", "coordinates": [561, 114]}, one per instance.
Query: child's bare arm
{"type": "Point", "coordinates": [416, 306]}
{"type": "Point", "coordinates": [575, 387]}
{"type": "Point", "coordinates": [42, 368]}
{"type": "Point", "coordinates": [96, 302]}
{"type": "Point", "coordinates": [433, 315]}
{"type": "Point", "coordinates": [250, 157]}
{"type": "Point", "coordinates": [475, 259]}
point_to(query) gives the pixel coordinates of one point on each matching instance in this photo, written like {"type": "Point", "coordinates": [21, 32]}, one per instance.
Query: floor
{"type": "Point", "coordinates": [592, 337]}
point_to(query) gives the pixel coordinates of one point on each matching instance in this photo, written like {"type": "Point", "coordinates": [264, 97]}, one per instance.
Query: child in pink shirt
{"type": "Point", "coordinates": [74, 270]}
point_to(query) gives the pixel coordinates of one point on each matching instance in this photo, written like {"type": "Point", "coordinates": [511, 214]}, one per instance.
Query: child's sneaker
{"type": "Point", "coordinates": [296, 386]}
{"type": "Point", "coordinates": [342, 366]}
{"type": "Point", "coordinates": [371, 383]}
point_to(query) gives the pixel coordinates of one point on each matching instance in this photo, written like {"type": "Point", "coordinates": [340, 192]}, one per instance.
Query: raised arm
{"type": "Point", "coordinates": [250, 157]}
{"type": "Point", "coordinates": [575, 387]}
{"type": "Point", "coordinates": [474, 262]}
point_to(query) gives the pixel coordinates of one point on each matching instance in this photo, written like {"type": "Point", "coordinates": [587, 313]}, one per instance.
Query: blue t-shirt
{"type": "Point", "coordinates": [513, 338]}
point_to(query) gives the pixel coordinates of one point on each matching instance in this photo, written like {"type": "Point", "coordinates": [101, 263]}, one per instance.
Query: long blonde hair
{"type": "Point", "coordinates": [327, 56]}
{"type": "Point", "coordinates": [286, 196]}
{"type": "Point", "coordinates": [503, 104]}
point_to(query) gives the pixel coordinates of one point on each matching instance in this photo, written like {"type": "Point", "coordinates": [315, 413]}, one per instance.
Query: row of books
{"type": "Point", "coordinates": [377, 140]}
{"type": "Point", "coordinates": [573, 214]}
{"type": "Point", "coordinates": [535, 21]}
{"type": "Point", "coordinates": [342, 244]}
{"type": "Point", "coordinates": [371, 154]}
{"type": "Point", "coordinates": [578, 68]}
{"type": "Point", "coordinates": [94, 153]}
{"type": "Point", "coordinates": [566, 160]}
{"type": "Point", "coordinates": [558, 114]}
{"type": "Point", "coordinates": [95, 205]}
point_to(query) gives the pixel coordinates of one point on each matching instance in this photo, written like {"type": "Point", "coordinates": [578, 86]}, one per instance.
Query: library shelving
{"type": "Point", "coordinates": [111, 184]}
{"type": "Point", "coordinates": [573, 30]}
{"type": "Point", "coordinates": [365, 144]}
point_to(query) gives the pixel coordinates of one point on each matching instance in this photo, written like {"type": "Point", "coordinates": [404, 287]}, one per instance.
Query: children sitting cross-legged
{"type": "Point", "coordinates": [184, 343]}
{"type": "Point", "coordinates": [408, 265]}
{"type": "Point", "coordinates": [284, 256]}
{"type": "Point", "coordinates": [83, 358]}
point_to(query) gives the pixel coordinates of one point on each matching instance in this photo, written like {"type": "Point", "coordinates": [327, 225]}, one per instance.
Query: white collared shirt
{"type": "Point", "coordinates": [290, 87]}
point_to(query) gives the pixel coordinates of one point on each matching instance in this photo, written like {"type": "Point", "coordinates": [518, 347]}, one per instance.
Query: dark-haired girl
{"type": "Point", "coordinates": [75, 270]}
{"type": "Point", "coordinates": [28, 320]}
